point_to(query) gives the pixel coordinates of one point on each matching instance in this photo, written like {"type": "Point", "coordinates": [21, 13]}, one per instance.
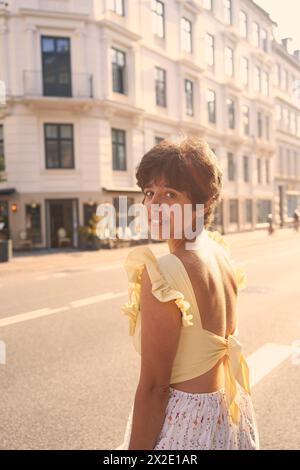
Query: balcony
{"type": "Point", "coordinates": [59, 86]}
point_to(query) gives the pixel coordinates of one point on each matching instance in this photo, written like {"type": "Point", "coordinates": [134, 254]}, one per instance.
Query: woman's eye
{"type": "Point", "coordinates": [169, 194]}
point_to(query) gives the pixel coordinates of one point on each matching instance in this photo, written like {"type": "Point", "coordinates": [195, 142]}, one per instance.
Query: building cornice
{"type": "Point", "coordinates": [117, 28]}
{"type": "Point", "coordinates": [284, 54]}
{"type": "Point", "coordinates": [52, 14]}
{"type": "Point", "coordinates": [121, 189]}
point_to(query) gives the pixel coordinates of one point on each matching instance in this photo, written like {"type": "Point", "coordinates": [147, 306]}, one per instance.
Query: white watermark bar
{"type": "Point", "coordinates": [159, 221]}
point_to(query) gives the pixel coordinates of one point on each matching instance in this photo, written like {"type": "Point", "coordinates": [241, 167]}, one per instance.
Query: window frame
{"type": "Point", "coordinates": [115, 163]}
{"type": "Point", "coordinates": [59, 140]}
{"type": "Point", "coordinates": [116, 68]}
{"type": "Point", "coordinates": [158, 92]}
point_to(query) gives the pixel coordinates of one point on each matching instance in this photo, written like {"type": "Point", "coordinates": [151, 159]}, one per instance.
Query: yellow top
{"type": "Point", "coordinates": [199, 349]}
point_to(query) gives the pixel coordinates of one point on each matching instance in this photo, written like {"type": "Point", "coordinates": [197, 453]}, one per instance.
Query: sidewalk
{"type": "Point", "coordinates": [72, 259]}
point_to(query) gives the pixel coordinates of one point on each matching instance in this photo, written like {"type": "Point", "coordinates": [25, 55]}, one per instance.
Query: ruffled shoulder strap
{"type": "Point", "coordinates": [134, 264]}
{"type": "Point", "coordinates": [239, 270]}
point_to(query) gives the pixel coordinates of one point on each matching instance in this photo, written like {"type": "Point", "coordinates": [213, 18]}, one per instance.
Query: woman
{"type": "Point", "coordinates": [193, 390]}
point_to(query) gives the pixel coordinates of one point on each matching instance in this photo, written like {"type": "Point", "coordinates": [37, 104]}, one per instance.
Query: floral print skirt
{"type": "Point", "coordinates": [201, 421]}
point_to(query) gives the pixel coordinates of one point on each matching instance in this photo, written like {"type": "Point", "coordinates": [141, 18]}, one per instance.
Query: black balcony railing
{"type": "Point", "coordinates": [79, 85]}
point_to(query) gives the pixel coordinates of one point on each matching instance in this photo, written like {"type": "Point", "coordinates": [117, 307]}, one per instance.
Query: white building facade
{"type": "Point", "coordinates": [92, 85]}
{"type": "Point", "coordinates": [287, 98]}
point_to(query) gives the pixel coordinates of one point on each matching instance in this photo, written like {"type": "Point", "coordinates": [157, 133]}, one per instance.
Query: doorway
{"type": "Point", "coordinates": [62, 223]}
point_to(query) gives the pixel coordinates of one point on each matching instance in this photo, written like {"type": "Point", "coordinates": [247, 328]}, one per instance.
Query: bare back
{"type": "Point", "coordinates": [214, 284]}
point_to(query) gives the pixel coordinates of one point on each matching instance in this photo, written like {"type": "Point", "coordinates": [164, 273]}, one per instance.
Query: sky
{"type": "Point", "coordinates": [286, 13]}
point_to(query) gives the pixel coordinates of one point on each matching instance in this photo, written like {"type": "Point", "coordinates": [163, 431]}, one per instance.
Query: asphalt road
{"type": "Point", "coordinates": [70, 371]}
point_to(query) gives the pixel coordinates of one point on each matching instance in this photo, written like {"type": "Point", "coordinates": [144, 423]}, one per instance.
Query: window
{"type": "Point", "coordinates": [248, 211]}
{"type": "Point", "coordinates": [158, 18]}
{"type": "Point", "coordinates": [210, 49]}
{"type": "Point", "coordinates": [158, 140]}
{"type": "Point", "coordinates": [227, 12]}
{"type": "Point", "coordinates": [264, 208]}
{"type": "Point", "coordinates": [122, 216]}
{"type": "Point", "coordinates": [229, 62]}
{"type": "Point", "coordinates": [292, 204]}
{"type": "Point", "coordinates": [59, 145]}
{"type": "Point", "coordinates": [33, 222]}
{"type": "Point", "coordinates": [218, 215]}
{"type": "Point", "coordinates": [245, 71]}
{"type": "Point", "coordinates": [285, 80]}
{"type": "Point", "coordinates": [189, 97]}
{"type": "Point", "coordinates": [277, 75]}
{"type": "Point", "coordinates": [267, 171]}
{"type": "Point", "coordinates": [160, 87]}
{"type": "Point", "coordinates": [211, 106]}
{"type": "Point", "coordinates": [186, 32]}
{"type": "Point", "coordinates": [4, 219]}
{"type": "Point", "coordinates": [265, 83]}
{"type": "Point", "coordinates": [243, 24]}
{"type": "Point", "coordinates": [233, 211]}
{"type": "Point", "coordinates": [56, 64]}
{"type": "Point", "coordinates": [231, 113]}
{"type": "Point", "coordinates": [264, 40]}
{"type": "Point", "coordinates": [117, 6]}
{"type": "Point", "coordinates": [288, 119]}
{"type": "Point", "coordinates": [257, 79]}
{"type": "Point", "coordinates": [2, 160]}
{"type": "Point", "coordinates": [89, 210]}
{"type": "Point", "coordinates": [208, 4]}
{"type": "Point", "coordinates": [256, 35]}
{"type": "Point", "coordinates": [119, 149]}
{"type": "Point", "coordinates": [259, 125]}
{"type": "Point", "coordinates": [230, 166]}
{"type": "Point", "coordinates": [267, 127]}
{"type": "Point", "coordinates": [118, 70]}
{"type": "Point", "coordinates": [296, 163]}
{"type": "Point", "coordinates": [288, 162]}
{"type": "Point", "coordinates": [285, 118]}
{"type": "Point", "coordinates": [281, 161]}
{"type": "Point", "coordinates": [279, 113]}
{"type": "Point", "coordinates": [246, 168]}
{"type": "Point", "coordinates": [246, 119]}
{"type": "Point", "coordinates": [258, 162]}
{"type": "Point", "coordinates": [293, 122]}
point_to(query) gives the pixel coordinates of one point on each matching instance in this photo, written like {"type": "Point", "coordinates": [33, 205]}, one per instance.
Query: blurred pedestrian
{"type": "Point", "coordinates": [296, 218]}
{"type": "Point", "coordinates": [271, 227]}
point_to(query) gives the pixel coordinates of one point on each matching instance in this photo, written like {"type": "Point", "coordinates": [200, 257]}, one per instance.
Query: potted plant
{"type": "Point", "coordinates": [88, 238]}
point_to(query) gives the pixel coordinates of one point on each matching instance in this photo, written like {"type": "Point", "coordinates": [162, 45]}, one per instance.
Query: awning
{"type": "Point", "coordinates": [7, 191]}
{"type": "Point", "coordinates": [123, 189]}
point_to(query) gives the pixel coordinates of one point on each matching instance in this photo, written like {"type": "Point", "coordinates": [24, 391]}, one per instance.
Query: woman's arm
{"type": "Point", "coordinates": [160, 332]}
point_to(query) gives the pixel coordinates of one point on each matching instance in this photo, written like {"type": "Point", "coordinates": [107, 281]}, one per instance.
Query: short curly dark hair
{"type": "Point", "coordinates": [189, 166]}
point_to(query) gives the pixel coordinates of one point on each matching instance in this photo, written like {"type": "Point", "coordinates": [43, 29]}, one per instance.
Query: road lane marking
{"type": "Point", "coordinates": [95, 299]}
{"type": "Point", "coordinates": [109, 267]}
{"type": "Point", "coordinates": [80, 270]}
{"type": "Point", "coordinates": [30, 315]}
{"type": "Point", "coordinates": [265, 359]}
{"type": "Point", "coordinates": [43, 312]}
